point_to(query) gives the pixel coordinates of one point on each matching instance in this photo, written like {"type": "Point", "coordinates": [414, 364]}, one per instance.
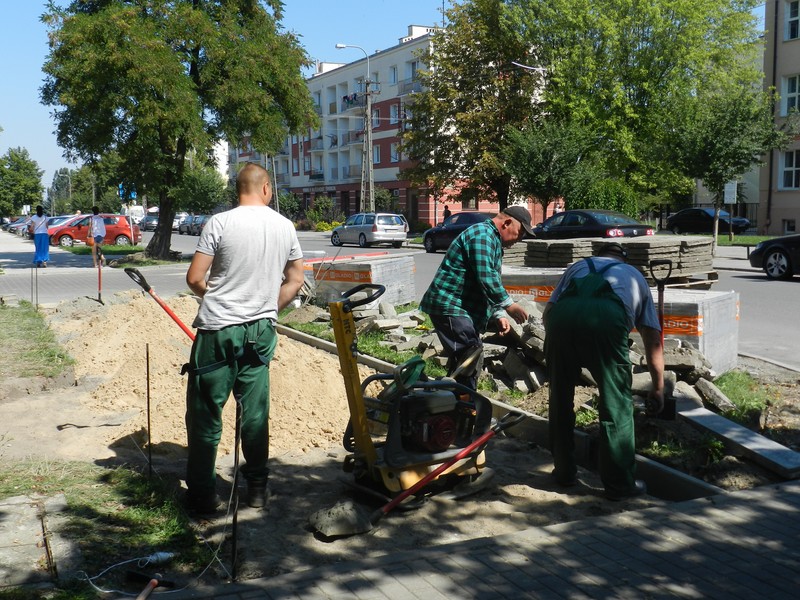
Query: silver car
{"type": "Point", "coordinates": [366, 229]}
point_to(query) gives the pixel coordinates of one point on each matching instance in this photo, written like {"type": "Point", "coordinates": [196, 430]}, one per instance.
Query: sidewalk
{"type": "Point", "coordinates": [741, 545]}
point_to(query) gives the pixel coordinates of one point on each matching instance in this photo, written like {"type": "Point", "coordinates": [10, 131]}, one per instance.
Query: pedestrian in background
{"type": "Point", "coordinates": [41, 241]}
{"type": "Point", "coordinates": [588, 318]}
{"type": "Point", "coordinates": [467, 291]}
{"type": "Point", "coordinates": [256, 269]}
{"type": "Point", "coordinates": [97, 231]}
{"type": "Point", "coordinates": [446, 212]}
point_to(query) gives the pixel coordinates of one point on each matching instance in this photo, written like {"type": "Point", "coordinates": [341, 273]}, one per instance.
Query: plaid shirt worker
{"type": "Point", "coordinates": [468, 283]}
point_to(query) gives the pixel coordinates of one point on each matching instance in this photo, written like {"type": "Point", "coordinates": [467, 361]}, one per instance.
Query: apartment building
{"type": "Point", "coordinates": [328, 161]}
{"type": "Point", "coordinates": [779, 189]}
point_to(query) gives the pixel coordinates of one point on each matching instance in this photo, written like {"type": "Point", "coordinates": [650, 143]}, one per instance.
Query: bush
{"type": "Point", "coordinates": [420, 226]}
{"type": "Point", "coordinates": [303, 225]}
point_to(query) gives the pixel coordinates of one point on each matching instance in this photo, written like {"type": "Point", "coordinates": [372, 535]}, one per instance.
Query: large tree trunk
{"type": "Point", "coordinates": [159, 246]}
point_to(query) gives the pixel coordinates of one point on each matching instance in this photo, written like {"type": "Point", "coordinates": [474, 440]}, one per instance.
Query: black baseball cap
{"type": "Point", "coordinates": [522, 215]}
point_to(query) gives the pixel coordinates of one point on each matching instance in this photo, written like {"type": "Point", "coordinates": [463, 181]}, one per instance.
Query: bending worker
{"type": "Point", "coordinates": [467, 290]}
{"type": "Point", "coordinates": [256, 269]}
{"type": "Point", "coordinates": [588, 318]}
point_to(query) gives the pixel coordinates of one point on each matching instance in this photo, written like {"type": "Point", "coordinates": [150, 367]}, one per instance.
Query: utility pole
{"type": "Point", "coordinates": [367, 170]}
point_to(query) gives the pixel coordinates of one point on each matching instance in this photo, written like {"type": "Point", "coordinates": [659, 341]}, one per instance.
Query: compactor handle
{"type": "Point", "coordinates": [377, 292]}
{"type": "Point", "coordinates": [138, 278]}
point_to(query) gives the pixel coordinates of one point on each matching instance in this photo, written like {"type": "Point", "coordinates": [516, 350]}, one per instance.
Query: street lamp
{"type": "Point", "coordinates": [69, 179]}
{"type": "Point", "coordinates": [367, 172]}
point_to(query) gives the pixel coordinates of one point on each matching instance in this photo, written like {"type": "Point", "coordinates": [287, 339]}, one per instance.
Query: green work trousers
{"type": "Point", "coordinates": [207, 393]}
{"type": "Point", "coordinates": [591, 333]}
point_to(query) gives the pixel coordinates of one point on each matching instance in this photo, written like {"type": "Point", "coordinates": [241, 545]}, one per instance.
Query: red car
{"type": "Point", "coordinates": [119, 231]}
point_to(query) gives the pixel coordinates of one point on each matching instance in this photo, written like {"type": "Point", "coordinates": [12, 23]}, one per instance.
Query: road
{"type": "Point", "coordinates": [768, 327]}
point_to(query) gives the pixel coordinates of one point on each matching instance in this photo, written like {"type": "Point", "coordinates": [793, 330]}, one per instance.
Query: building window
{"type": "Point", "coordinates": [392, 75]}
{"type": "Point", "coordinates": [376, 155]}
{"type": "Point", "coordinates": [789, 226]}
{"type": "Point", "coordinates": [376, 118]}
{"type": "Point", "coordinates": [792, 20]}
{"type": "Point", "coordinates": [394, 114]}
{"type": "Point", "coordinates": [790, 94]}
{"type": "Point", "coordinates": [295, 166]}
{"type": "Point", "coordinates": [791, 170]}
{"type": "Point", "coordinates": [306, 164]}
{"type": "Point", "coordinates": [395, 152]}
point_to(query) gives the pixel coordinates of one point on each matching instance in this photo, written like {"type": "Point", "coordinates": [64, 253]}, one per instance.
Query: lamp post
{"type": "Point", "coordinates": [69, 180]}
{"type": "Point", "coordinates": [367, 172]}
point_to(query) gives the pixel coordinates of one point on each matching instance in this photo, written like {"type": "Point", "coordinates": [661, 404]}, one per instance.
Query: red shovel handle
{"type": "Point", "coordinates": [139, 278]}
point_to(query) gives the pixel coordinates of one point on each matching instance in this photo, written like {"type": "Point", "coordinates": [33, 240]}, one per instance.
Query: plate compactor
{"type": "Point", "coordinates": [416, 428]}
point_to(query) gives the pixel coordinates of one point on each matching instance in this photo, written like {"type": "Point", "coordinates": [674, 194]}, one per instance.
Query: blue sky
{"type": "Point", "coordinates": [371, 24]}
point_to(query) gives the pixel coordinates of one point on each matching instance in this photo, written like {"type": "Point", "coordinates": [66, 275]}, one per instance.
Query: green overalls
{"type": "Point", "coordinates": [587, 327]}
{"type": "Point", "coordinates": [234, 359]}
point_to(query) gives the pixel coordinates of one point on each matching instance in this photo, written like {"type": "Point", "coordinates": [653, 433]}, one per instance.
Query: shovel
{"type": "Point", "coordinates": [345, 518]}
{"type": "Point", "coordinates": [651, 406]}
{"type": "Point", "coordinates": [141, 281]}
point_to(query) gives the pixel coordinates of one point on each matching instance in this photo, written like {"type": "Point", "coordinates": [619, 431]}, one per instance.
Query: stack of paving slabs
{"type": "Point", "coordinates": [690, 255]}
{"type": "Point", "coordinates": [515, 255]}
{"type": "Point", "coordinates": [395, 272]}
{"type": "Point", "coordinates": [555, 253]}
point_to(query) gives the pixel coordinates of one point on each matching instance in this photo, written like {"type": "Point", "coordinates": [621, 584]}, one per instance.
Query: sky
{"type": "Point", "coordinates": [26, 123]}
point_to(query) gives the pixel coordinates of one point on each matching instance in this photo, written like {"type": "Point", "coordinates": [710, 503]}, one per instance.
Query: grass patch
{"type": "Point", "coordinates": [741, 240]}
{"type": "Point", "coordinates": [112, 515]}
{"type": "Point", "coordinates": [748, 395]}
{"type": "Point", "coordinates": [29, 347]}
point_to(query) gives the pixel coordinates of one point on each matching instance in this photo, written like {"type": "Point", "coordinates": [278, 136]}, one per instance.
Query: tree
{"type": "Point", "coordinates": [621, 66]}
{"type": "Point", "coordinates": [201, 191]}
{"type": "Point", "coordinates": [721, 133]}
{"type": "Point", "coordinates": [551, 160]}
{"type": "Point", "coordinates": [158, 80]}
{"type": "Point", "coordinates": [469, 96]}
{"type": "Point", "coordinates": [20, 181]}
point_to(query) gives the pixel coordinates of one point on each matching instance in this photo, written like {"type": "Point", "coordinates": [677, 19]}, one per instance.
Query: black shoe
{"type": "Point", "coordinates": [639, 489]}
{"type": "Point", "coordinates": [257, 495]}
{"type": "Point", "coordinates": [203, 505]}
{"type": "Point", "coordinates": [564, 481]}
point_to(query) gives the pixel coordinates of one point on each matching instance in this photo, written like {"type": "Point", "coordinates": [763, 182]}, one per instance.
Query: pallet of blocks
{"type": "Point", "coordinates": [690, 255]}
{"type": "Point", "coordinates": [394, 272]}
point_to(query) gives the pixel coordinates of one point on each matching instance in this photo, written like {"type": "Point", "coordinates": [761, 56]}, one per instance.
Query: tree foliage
{"type": "Point", "coordinates": [20, 181]}
{"type": "Point", "coordinates": [201, 191]}
{"type": "Point", "coordinates": [551, 160]}
{"type": "Point", "coordinates": [620, 66]}
{"type": "Point", "coordinates": [470, 94]}
{"type": "Point", "coordinates": [158, 80]}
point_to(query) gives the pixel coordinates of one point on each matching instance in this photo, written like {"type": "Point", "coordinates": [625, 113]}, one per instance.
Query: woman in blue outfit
{"type": "Point", "coordinates": [41, 240]}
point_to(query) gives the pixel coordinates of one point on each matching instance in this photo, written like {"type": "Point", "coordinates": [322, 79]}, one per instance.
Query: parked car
{"type": "Point", "coordinates": [19, 227]}
{"type": "Point", "coordinates": [779, 257]}
{"type": "Point", "coordinates": [590, 223]}
{"type": "Point", "coordinates": [197, 224]}
{"type": "Point", "coordinates": [441, 236]}
{"type": "Point", "coordinates": [366, 229]}
{"type": "Point", "coordinates": [185, 226]}
{"type": "Point", "coordinates": [179, 218]}
{"type": "Point", "coordinates": [76, 229]}
{"type": "Point", "coordinates": [149, 223]}
{"type": "Point", "coordinates": [701, 220]}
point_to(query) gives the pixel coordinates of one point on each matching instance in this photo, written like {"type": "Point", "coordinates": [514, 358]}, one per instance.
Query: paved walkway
{"type": "Point", "coordinates": [733, 546]}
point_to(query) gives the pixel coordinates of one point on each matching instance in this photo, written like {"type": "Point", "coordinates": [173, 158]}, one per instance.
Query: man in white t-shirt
{"type": "Point", "coordinates": [254, 265]}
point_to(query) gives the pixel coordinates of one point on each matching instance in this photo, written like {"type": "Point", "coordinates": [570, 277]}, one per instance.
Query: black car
{"type": "Point", "coordinates": [701, 220]}
{"type": "Point", "coordinates": [197, 224]}
{"type": "Point", "coordinates": [590, 223]}
{"type": "Point", "coordinates": [149, 223]}
{"type": "Point", "coordinates": [441, 236]}
{"type": "Point", "coordinates": [779, 257]}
